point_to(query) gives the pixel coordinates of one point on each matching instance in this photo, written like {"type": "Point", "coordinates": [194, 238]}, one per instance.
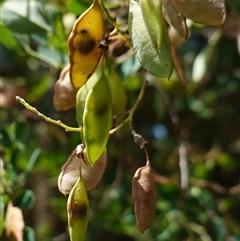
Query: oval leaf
{"type": "Point", "coordinates": [152, 16]}
{"type": "Point", "coordinates": [201, 11]}
{"type": "Point", "coordinates": [83, 45]}
{"type": "Point", "coordinates": [155, 61]}
{"type": "Point", "coordinates": [144, 197]}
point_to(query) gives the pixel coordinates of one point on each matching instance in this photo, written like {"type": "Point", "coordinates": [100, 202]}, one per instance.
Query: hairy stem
{"type": "Point", "coordinates": [56, 122]}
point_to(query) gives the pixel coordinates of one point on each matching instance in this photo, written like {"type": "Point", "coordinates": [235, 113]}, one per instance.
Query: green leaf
{"type": "Point", "coordinates": [152, 17]}
{"type": "Point", "coordinates": [25, 200]}
{"type": "Point", "coordinates": [29, 234]}
{"type": "Point", "coordinates": [22, 131]}
{"type": "Point", "coordinates": [78, 7]}
{"type": "Point", "coordinates": [5, 139]}
{"type": "Point", "coordinates": [24, 16]}
{"type": "Point", "coordinates": [156, 61]}
{"type": "Point", "coordinates": [21, 179]}
{"type": "Point", "coordinates": [7, 39]}
{"type": "Point", "coordinates": [97, 118]}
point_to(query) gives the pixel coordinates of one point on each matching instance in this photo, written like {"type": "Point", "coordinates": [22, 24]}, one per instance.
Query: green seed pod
{"type": "Point", "coordinates": [97, 118]}
{"type": "Point", "coordinates": [78, 211]}
{"type": "Point", "coordinates": [83, 92]}
{"type": "Point", "coordinates": [119, 97]}
{"type": "Point", "coordinates": [152, 16]}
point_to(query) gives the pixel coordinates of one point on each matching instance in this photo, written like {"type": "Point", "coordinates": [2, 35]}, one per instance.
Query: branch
{"type": "Point", "coordinates": [55, 122]}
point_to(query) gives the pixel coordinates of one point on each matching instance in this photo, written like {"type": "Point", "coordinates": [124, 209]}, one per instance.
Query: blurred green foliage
{"type": "Point", "coordinates": [203, 118]}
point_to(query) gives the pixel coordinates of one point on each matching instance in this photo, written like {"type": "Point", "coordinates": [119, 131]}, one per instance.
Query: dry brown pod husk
{"type": "Point", "coordinates": [77, 161]}
{"type": "Point", "coordinates": [177, 20]}
{"type": "Point", "coordinates": [144, 196]}
{"type": "Point", "coordinates": [64, 93]}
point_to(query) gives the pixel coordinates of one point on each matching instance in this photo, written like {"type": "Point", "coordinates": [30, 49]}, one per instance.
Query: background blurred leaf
{"type": "Point", "coordinates": [24, 16]}
{"type": "Point", "coordinates": [7, 38]}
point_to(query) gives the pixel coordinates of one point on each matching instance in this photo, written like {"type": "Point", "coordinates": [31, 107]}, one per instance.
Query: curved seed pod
{"type": "Point", "coordinates": [91, 175]}
{"type": "Point", "coordinates": [97, 118]}
{"type": "Point", "coordinates": [152, 16]}
{"type": "Point", "coordinates": [83, 45]}
{"type": "Point", "coordinates": [83, 92]}
{"type": "Point", "coordinates": [144, 197]}
{"type": "Point", "coordinates": [118, 94]}
{"type": "Point", "coordinates": [78, 211]}
{"type": "Point", "coordinates": [64, 93]}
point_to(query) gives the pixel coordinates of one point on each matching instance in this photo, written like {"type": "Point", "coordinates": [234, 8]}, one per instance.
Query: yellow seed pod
{"type": "Point", "coordinates": [83, 44]}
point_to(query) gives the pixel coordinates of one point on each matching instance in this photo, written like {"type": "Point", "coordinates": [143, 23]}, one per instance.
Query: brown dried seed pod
{"type": "Point", "coordinates": [144, 196]}
{"type": "Point", "coordinates": [70, 171]}
{"type": "Point", "coordinates": [64, 93]}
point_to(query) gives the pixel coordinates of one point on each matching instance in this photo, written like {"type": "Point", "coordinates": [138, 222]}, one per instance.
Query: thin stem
{"type": "Point", "coordinates": [112, 20]}
{"type": "Point", "coordinates": [183, 165]}
{"type": "Point", "coordinates": [132, 111]}
{"type": "Point", "coordinates": [147, 156]}
{"type": "Point", "coordinates": [55, 122]}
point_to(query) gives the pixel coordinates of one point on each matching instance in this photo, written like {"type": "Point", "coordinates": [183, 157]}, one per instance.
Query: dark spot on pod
{"type": "Point", "coordinates": [83, 31]}
{"type": "Point", "coordinates": [79, 210]}
{"type": "Point", "coordinates": [85, 47]}
{"type": "Point", "coordinates": [102, 109]}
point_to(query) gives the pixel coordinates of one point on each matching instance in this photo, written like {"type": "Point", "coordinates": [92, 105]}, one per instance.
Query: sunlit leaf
{"type": "Point", "coordinates": [152, 16]}
{"type": "Point", "coordinates": [155, 61]}
{"type": "Point", "coordinates": [24, 16]}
